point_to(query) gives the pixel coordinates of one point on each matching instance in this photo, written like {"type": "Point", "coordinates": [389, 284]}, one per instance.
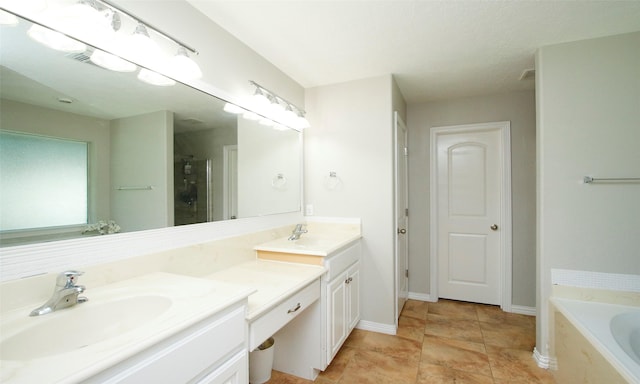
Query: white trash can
{"type": "Point", "coordinates": [261, 362]}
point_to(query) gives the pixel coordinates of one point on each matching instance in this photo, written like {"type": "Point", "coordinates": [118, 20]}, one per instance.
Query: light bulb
{"type": "Point", "coordinates": [112, 62]}
{"type": "Point", "coordinates": [181, 65]}
{"type": "Point", "coordinates": [289, 117]}
{"type": "Point", "coordinates": [301, 123]}
{"type": "Point", "coordinates": [143, 50]}
{"type": "Point", "coordinates": [55, 40]}
{"type": "Point", "coordinates": [260, 100]}
{"type": "Point", "coordinates": [83, 21]}
{"type": "Point", "coordinates": [155, 78]}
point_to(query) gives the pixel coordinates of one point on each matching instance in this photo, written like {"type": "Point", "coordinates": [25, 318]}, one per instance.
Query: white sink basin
{"type": "Point", "coordinates": [80, 326]}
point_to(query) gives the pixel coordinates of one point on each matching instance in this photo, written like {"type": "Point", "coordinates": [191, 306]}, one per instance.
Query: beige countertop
{"type": "Point", "coordinates": [191, 300]}
{"type": "Point", "coordinates": [313, 244]}
{"type": "Point", "coordinates": [272, 281]}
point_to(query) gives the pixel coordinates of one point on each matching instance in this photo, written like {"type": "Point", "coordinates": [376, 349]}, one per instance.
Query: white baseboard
{"type": "Point", "coordinates": [545, 362]}
{"type": "Point", "coordinates": [365, 325]}
{"type": "Point", "coordinates": [420, 296]}
{"type": "Point", "coordinates": [531, 311]}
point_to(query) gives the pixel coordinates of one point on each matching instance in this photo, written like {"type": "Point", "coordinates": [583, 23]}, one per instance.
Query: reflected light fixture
{"type": "Point", "coordinates": [55, 40]}
{"type": "Point", "coordinates": [112, 62]}
{"type": "Point", "coordinates": [277, 109]}
{"type": "Point", "coordinates": [155, 78]}
{"type": "Point", "coordinates": [232, 108]}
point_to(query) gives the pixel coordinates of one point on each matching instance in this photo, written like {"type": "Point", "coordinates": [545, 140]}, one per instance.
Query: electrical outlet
{"type": "Point", "coordinates": [308, 210]}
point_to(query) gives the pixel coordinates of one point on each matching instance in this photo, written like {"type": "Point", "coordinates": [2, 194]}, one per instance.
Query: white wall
{"type": "Point", "coordinates": [142, 155]}
{"type": "Point", "coordinates": [588, 112]}
{"type": "Point", "coordinates": [352, 134]}
{"type": "Point", "coordinates": [517, 107]}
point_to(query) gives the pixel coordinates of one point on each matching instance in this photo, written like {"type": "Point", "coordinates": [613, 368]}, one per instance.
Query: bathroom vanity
{"type": "Point", "coordinates": [339, 309]}
{"type": "Point", "coordinates": [202, 308]}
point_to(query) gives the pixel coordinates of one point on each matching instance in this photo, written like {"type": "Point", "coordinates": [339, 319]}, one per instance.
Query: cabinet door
{"type": "Point", "coordinates": [353, 292]}
{"type": "Point", "coordinates": [336, 312]}
{"type": "Point", "coordinates": [234, 371]}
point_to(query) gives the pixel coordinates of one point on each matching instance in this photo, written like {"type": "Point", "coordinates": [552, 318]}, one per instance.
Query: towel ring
{"type": "Point", "coordinates": [279, 181]}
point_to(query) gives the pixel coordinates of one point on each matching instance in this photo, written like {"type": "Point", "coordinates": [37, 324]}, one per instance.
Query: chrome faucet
{"type": "Point", "coordinates": [298, 230]}
{"type": "Point", "coordinates": [65, 294]}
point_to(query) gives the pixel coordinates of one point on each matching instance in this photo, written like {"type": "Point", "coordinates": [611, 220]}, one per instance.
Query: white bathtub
{"type": "Point", "coordinates": [603, 325]}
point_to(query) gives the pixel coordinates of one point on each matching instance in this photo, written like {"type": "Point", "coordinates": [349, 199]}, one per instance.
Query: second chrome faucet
{"type": "Point", "coordinates": [298, 231]}
{"type": "Point", "coordinates": [65, 294]}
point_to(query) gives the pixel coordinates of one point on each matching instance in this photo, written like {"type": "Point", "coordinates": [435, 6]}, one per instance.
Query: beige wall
{"type": "Point", "coordinates": [517, 107]}
{"type": "Point", "coordinates": [263, 153]}
{"type": "Point", "coordinates": [588, 114]}
{"type": "Point", "coordinates": [352, 135]}
{"type": "Point", "coordinates": [142, 155]}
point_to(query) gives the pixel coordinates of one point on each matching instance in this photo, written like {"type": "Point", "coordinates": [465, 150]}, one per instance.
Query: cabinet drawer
{"type": "Point", "coordinates": [339, 263]}
{"type": "Point", "coordinates": [194, 350]}
{"type": "Point", "coordinates": [269, 323]}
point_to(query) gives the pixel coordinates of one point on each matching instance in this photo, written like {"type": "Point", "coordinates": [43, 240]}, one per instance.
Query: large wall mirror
{"type": "Point", "coordinates": [155, 156]}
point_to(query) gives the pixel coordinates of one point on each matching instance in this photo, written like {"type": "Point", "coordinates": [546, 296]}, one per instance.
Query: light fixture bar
{"type": "Point", "coordinates": [159, 31]}
{"type": "Point", "coordinates": [276, 96]}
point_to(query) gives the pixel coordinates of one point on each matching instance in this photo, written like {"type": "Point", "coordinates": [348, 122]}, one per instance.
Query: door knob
{"type": "Point", "coordinates": [494, 227]}
{"type": "Point", "coordinates": [402, 231]}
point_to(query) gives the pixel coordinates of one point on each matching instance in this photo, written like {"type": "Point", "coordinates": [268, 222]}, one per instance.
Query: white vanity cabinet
{"type": "Point", "coordinates": [342, 300]}
{"type": "Point", "coordinates": [213, 351]}
{"type": "Point", "coordinates": [309, 343]}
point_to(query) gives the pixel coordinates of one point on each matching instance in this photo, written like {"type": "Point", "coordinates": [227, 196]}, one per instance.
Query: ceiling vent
{"type": "Point", "coordinates": [83, 57]}
{"type": "Point", "coordinates": [528, 74]}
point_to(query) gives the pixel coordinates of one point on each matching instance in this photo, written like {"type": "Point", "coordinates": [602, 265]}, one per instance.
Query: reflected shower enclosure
{"type": "Point", "coordinates": [193, 199]}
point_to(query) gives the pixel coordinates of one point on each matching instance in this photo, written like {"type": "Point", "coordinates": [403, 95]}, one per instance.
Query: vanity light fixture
{"type": "Point", "coordinates": [277, 109]}
{"type": "Point", "coordinates": [98, 22]}
{"type": "Point", "coordinates": [142, 48]}
{"type": "Point", "coordinates": [183, 66]}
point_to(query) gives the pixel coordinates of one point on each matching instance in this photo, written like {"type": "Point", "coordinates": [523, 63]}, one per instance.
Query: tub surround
{"type": "Point", "coordinates": [228, 266]}
{"type": "Point", "coordinates": [580, 336]}
{"type": "Point", "coordinates": [584, 345]}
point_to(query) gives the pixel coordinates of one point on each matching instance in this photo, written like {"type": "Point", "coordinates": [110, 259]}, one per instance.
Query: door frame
{"type": "Point", "coordinates": [506, 254]}
{"type": "Point", "coordinates": [400, 124]}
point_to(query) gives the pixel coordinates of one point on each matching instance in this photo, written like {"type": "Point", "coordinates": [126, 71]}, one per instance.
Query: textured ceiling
{"type": "Point", "coordinates": [435, 49]}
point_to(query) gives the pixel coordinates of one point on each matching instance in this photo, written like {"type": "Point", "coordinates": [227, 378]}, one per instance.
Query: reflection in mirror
{"type": "Point", "coordinates": [156, 156]}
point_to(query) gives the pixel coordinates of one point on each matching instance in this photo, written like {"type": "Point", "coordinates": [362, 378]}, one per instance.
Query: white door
{"type": "Point", "coordinates": [470, 202]}
{"type": "Point", "coordinates": [402, 254]}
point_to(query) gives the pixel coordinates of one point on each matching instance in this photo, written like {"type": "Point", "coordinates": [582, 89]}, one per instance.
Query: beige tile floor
{"type": "Point", "coordinates": [443, 342]}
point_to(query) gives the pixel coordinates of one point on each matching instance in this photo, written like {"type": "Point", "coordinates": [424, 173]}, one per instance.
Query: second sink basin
{"type": "Point", "coordinates": [82, 325]}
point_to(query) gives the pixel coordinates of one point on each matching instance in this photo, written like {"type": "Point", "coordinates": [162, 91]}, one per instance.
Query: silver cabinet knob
{"type": "Point", "coordinates": [402, 231]}
{"type": "Point", "coordinates": [494, 227]}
